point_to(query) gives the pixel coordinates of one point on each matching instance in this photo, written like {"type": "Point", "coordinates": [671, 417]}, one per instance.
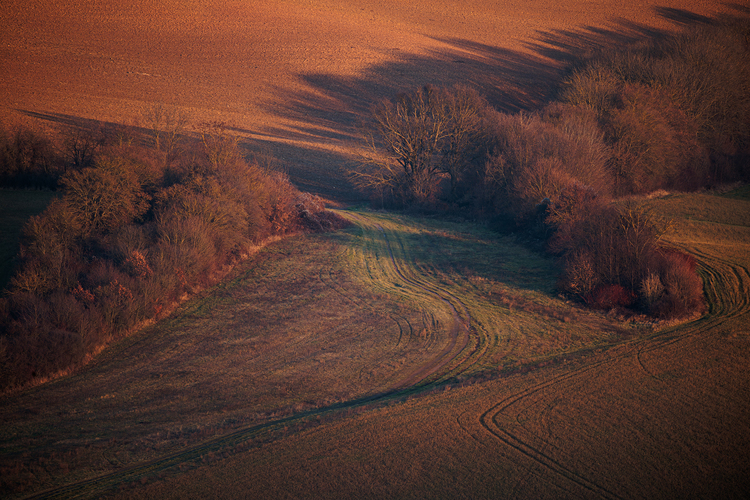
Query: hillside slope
{"type": "Point", "coordinates": [404, 356]}
{"type": "Point", "coordinates": [366, 400]}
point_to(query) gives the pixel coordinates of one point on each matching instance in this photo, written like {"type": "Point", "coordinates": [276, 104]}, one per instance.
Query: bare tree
{"type": "Point", "coordinates": [419, 139]}
{"type": "Point", "coordinates": [80, 147]}
{"type": "Point", "coordinates": [220, 146]}
{"type": "Point", "coordinates": [166, 123]}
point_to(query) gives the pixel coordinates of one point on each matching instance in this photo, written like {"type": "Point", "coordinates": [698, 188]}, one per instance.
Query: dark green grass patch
{"type": "Point", "coordinates": [16, 206]}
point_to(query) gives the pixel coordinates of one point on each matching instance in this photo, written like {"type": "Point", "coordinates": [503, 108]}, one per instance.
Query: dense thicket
{"type": "Point", "coordinates": [672, 113]}
{"type": "Point", "coordinates": [675, 110]}
{"type": "Point", "coordinates": [133, 230]}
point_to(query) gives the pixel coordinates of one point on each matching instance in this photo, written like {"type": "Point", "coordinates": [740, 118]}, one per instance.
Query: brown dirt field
{"type": "Point", "coordinates": [295, 77]}
{"type": "Point", "coordinates": [659, 417]}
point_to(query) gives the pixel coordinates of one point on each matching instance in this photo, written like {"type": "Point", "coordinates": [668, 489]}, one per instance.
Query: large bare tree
{"type": "Point", "coordinates": [419, 139]}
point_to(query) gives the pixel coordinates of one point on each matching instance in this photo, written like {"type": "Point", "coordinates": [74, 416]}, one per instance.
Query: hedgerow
{"type": "Point", "coordinates": [672, 113]}
{"type": "Point", "coordinates": [130, 234]}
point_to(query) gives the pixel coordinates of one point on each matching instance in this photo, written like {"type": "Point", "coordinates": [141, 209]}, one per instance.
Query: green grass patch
{"type": "Point", "coordinates": [503, 291]}
{"type": "Point", "coordinates": [16, 206]}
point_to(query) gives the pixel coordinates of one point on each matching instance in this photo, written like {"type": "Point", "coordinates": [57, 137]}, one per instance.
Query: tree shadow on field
{"type": "Point", "coordinates": [96, 130]}
{"type": "Point", "coordinates": [335, 106]}
{"type": "Point", "coordinates": [486, 257]}
{"type": "Point", "coordinates": [316, 171]}
{"type": "Point", "coordinates": [322, 125]}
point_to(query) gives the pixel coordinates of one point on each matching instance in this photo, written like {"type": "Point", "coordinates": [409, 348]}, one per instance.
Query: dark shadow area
{"type": "Point", "coordinates": [683, 17]}
{"type": "Point", "coordinates": [511, 80]}
{"type": "Point", "coordinates": [569, 46]}
{"type": "Point", "coordinates": [494, 258]}
{"type": "Point", "coordinates": [97, 129]}
{"type": "Point", "coordinates": [335, 107]}
{"type": "Point", "coordinates": [316, 171]}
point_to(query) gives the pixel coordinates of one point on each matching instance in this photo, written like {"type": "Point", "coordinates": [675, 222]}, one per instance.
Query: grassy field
{"type": "Point", "coordinates": [407, 357]}
{"type": "Point", "coordinates": [312, 326]}
{"type": "Point", "coordinates": [16, 206]}
{"type": "Point", "coordinates": [403, 357]}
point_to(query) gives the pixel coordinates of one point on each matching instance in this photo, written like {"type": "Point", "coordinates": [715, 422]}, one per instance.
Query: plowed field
{"type": "Point", "coordinates": [401, 357]}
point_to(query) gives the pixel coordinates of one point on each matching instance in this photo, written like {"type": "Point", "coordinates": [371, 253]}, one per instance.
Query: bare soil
{"type": "Point", "coordinates": [371, 364]}
{"type": "Point", "coordinates": [296, 77]}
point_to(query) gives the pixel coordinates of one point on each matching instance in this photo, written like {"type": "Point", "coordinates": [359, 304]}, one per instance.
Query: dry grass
{"type": "Point", "coordinates": [204, 403]}
{"type": "Point", "coordinates": [653, 417]}
{"type": "Point", "coordinates": [311, 326]}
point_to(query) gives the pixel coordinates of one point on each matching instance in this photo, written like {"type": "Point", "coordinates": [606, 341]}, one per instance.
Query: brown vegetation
{"type": "Point", "coordinates": [426, 136]}
{"type": "Point", "coordinates": [253, 389]}
{"type": "Point", "coordinates": [629, 122]}
{"type": "Point", "coordinates": [128, 237]}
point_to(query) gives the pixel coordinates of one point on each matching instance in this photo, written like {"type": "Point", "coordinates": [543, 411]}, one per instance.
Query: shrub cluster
{"type": "Point", "coordinates": [534, 157]}
{"type": "Point", "coordinates": [673, 113]}
{"type": "Point", "coordinates": [675, 110]}
{"type": "Point", "coordinates": [613, 257]}
{"type": "Point", "coordinates": [129, 235]}
{"type": "Point", "coordinates": [423, 146]}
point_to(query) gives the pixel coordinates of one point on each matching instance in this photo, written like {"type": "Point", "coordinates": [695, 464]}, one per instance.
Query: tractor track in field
{"type": "Point", "coordinates": [459, 332]}
{"type": "Point", "coordinates": [500, 419]}
{"type": "Point", "coordinates": [489, 421]}
{"type": "Point", "coordinates": [506, 420]}
{"type": "Point", "coordinates": [426, 374]}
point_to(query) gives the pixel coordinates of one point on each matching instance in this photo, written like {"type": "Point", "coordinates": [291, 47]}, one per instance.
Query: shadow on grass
{"type": "Point", "coordinates": [471, 252]}
{"type": "Point", "coordinates": [16, 206]}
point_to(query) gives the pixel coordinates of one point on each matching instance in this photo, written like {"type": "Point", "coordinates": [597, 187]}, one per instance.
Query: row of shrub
{"type": "Point", "coordinates": [31, 159]}
{"type": "Point", "coordinates": [128, 236]}
{"type": "Point", "coordinates": [675, 110]}
{"type": "Point", "coordinates": [671, 113]}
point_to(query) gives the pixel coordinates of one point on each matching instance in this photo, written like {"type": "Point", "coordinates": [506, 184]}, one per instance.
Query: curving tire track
{"type": "Point", "coordinates": [458, 333]}
{"type": "Point", "coordinates": [457, 342]}
{"type": "Point", "coordinates": [495, 421]}
{"type": "Point", "coordinates": [453, 352]}
{"type": "Point", "coordinates": [504, 421]}
{"type": "Point", "coordinates": [727, 287]}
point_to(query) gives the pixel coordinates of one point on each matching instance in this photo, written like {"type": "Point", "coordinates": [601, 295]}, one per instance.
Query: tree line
{"type": "Point", "coordinates": [665, 114]}
{"type": "Point", "coordinates": [138, 223]}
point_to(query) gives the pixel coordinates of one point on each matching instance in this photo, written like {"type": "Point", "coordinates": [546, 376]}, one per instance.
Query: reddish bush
{"type": "Point", "coordinates": [129, 236]}
{"type": "Point", "coordinates": [682, 259]}
{"type": "Point", "coordinates": [683, 288]}
{"type": "Point", "coordinates": [654, 144]}
{"type": "Point", "coordinates": [610, 296]}
{"type": "Point", "coordinates": [611, 254]}
{"type": "Point", "coordinates": [105, 197]}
